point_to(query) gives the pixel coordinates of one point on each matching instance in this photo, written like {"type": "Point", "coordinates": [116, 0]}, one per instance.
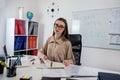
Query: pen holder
{"type": "Point", "coordinates": [1, 69]}
{"type": "Point", "coordinates": [2, 60]}
{"type": "Point", "coordinates": [11, 71]}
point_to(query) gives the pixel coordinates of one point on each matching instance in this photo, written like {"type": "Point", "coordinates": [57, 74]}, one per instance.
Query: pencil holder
{"type": "Point", "coordinates": [1, 69]}
{"type": "Point", "coordinates": [2, 60]}
{"type": "Point", "coordinates": [11, 71]}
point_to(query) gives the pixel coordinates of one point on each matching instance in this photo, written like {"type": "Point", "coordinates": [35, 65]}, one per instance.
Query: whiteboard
{"type": "Point", "coordinates": [95, 26]}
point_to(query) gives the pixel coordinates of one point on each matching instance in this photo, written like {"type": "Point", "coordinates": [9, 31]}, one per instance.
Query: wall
{"type": "Point", "coordinates": [9, 9]}
{"type": "Point", "coordinates": [102, 58]}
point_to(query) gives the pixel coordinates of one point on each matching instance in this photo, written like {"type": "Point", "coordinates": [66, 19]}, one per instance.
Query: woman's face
{"type": "Point", "coordinates": [59, 27]}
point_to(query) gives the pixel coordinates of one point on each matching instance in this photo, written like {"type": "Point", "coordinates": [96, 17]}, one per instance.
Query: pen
{"type": "Point", "coordinates": [51, 64]}
{"type": "Point", "coordinates": [16, 62]}
{"type": "Point", "coordinates": [10, 63]}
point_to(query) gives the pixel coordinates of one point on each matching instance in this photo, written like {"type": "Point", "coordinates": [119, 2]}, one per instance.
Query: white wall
{"type": "Point", "coordinates": [102, 58]}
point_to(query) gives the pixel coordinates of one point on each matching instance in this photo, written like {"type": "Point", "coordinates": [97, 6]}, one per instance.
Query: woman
{"type": "Point", "coordinates": [58, 47]}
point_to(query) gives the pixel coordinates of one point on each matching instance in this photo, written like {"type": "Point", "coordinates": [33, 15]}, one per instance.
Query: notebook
{"type": "Point", "coordinates": [51, 65]}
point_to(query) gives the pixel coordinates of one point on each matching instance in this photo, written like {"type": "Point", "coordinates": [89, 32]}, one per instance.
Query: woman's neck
{"type": "Point", "coordinates": [57, 36]}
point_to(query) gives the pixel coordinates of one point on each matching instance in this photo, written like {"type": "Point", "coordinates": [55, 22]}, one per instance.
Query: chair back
{"type": "Point", "coordinates": [76, 41]}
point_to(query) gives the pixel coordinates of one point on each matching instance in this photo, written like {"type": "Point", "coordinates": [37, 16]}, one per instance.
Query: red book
{"type": "Point", "coordinates": [20, 27]}
{"type": "Point", "coordinates": [35, 52]}
{"type": "Point", "coordinates": [16, 28]}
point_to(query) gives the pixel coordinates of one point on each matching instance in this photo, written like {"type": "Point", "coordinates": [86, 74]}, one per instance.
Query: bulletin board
{"type": "Point", "coordinates": [96, 25]}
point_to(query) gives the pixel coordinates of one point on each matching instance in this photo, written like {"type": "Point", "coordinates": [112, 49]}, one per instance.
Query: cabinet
{"type": "Point", "coordinates": [21, 37]}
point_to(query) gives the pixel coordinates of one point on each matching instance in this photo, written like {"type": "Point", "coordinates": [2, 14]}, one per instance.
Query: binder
{"type": "Point", "coordinates": [34, 41]}
{"type": "Point", "coordinates": [30, 42]}
{"type": "Point", "coordinates": [35, 52]}
{"type": "Point", "coordinates": [20, 27]}
{"type": "Point", "coordinates": [30, 29]}
{"type": "Point", "coordinates": [35, 30]}
{"type": "Point", "coordinates": [16, 27]}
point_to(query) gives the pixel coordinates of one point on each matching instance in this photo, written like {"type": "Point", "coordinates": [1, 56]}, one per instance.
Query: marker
{"type": "Point", "coordinates": [16, 62]}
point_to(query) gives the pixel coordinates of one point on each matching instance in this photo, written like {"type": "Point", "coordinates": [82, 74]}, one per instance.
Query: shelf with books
{"type": "Point", "coordinates": [20, 27]}
{"type": "Point", "coordinates": [32, 42]}
{"type": "Point", "coordinates": [21, 36]}
{"type": "Point", "coordinates": [32, 28]}
{"type": "Point", "coordinates": [20, 43]}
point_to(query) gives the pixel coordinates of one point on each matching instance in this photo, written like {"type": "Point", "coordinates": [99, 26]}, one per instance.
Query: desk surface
{"type": "Point", "coordinates": [38, 73]}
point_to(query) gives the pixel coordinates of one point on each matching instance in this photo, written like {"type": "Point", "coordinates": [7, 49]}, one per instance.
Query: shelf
{"type": "Point", "coordinates": [22, 36]}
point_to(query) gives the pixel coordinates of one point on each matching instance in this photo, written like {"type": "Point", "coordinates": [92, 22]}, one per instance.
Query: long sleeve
{"type": "Point", "coordinates": [70, 55]}
{"type": "Point", "coordinates": [43, 50]}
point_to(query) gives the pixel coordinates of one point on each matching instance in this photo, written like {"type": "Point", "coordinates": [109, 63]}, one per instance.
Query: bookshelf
{"type": "Point", "coordinates": [21, 37]}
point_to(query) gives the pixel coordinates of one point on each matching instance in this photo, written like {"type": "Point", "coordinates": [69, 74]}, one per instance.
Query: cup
{"type": "Point", "coordinates": [11, 71]}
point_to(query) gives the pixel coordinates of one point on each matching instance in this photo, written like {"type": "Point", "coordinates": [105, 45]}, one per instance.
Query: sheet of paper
{"type": "Point", "coordinates": [80, 71]}
{"type": "Point", "coordinates": [54, 73]}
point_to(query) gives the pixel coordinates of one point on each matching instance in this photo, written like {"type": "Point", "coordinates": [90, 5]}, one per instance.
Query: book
{"type": "Point", "coordinates": [52, 65]}
{"type": "Point", "coordinates": [34, 41]}
{"type": "Point", "coordinates": [30, 42]}
{"type": "Point", "coordinates": [16, 28]}
{"type": "Point", "coordinates": [35, 52]}
{"type": "Point", "coordinates": [20, 27]}
{"type": "Point", "coordinates": [35, 30]}
{"type": "Point", "coordinates": [30, 28]}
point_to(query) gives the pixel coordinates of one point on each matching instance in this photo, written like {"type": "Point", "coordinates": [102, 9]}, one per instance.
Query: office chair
{"type": "Point", "coordinates": [76, 41]}
{"type": "Point", "coordinates": [108, 76]}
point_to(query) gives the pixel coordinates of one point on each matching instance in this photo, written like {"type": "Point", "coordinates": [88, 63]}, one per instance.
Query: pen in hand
{"type": "Point", "coordinates": [51, 64]}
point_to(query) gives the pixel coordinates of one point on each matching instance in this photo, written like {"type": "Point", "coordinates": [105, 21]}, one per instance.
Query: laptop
{"type": "Point", "coordinates": [24, 61]}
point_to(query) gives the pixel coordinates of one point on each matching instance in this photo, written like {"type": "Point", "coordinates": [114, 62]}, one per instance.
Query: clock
{"type": "Point", "coordinates": [53, 10]}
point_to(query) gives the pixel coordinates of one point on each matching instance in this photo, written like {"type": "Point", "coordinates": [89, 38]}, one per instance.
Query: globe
{"type": "Point", "coordinates": [29, 15]}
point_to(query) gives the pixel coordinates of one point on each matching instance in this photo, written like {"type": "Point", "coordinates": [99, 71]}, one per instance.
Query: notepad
{"type": "Point", "coordinates": [51, 65]}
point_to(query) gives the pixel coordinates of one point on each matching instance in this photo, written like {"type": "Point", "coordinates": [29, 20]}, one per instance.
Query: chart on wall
{"type": "Point", "coordinates": [99, 28]}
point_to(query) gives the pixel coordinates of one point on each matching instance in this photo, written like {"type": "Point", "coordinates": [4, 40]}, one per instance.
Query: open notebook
{"type": "Point", "coordinates": [51, 65]}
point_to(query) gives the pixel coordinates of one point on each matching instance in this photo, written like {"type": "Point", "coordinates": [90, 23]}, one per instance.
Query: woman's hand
{"type": "Point", "coordinates": [43, 58]}
{"type": "Point", "coordinates": [66, 62]}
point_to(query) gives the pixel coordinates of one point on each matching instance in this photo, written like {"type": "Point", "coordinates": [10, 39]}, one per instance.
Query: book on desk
{"type": "Point", "coordinates": [51, 65]}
